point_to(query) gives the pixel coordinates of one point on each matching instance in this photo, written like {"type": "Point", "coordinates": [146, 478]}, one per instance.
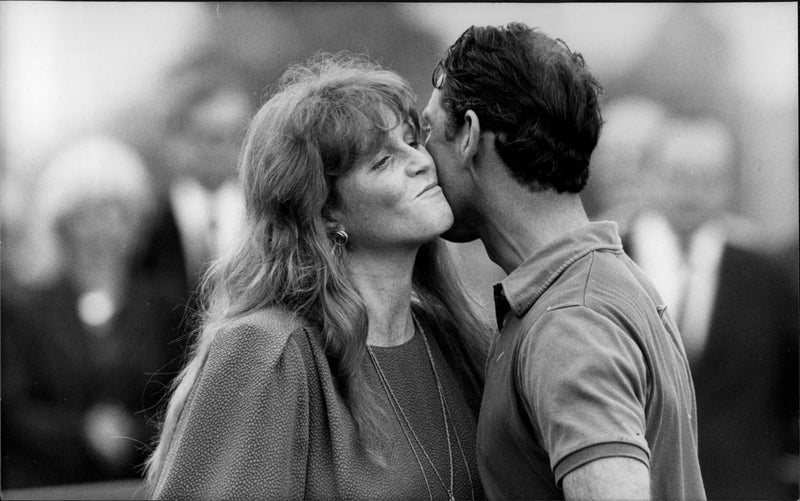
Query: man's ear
{"type": "Point", "coordinates": [470, 141]}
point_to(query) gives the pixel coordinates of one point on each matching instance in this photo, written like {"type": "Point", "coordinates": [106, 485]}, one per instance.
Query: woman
{"type": "Point", "coordinates": [336, 357]}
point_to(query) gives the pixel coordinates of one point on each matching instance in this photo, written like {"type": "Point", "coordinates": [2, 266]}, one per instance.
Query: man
{"type": "Point", "coordinates": [202, 138]}
{"type": "Point", "coordinates": [735, 307]}
{"type": "Point", "coordinates": [588, 393]}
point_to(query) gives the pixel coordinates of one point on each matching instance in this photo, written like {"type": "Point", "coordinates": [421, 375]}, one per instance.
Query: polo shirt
{"type": "Point", "coordinates": [588, 365]}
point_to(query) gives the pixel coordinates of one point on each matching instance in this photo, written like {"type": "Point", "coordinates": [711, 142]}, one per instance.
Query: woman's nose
{"type": "Point", "coordinates": [421, 161]}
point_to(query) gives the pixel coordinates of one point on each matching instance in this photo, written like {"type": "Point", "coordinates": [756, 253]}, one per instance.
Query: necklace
{"type": "Point", "coordinates": [403, 419]}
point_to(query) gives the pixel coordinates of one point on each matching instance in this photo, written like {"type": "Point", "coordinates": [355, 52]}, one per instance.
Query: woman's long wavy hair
{"type": "Point", "coordinates": [323, 116]}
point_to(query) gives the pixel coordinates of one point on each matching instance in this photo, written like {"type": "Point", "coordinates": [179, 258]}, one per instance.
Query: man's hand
{"type": "Point", "coordinates": [614, 478]}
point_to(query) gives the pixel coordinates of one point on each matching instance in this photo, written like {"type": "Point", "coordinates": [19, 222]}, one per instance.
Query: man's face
{"type": "Point", "coordinates": [453, 179]}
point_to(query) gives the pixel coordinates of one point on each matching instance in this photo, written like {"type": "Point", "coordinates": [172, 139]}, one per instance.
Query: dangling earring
{"type": "Point", "coordinates": [340, 237]}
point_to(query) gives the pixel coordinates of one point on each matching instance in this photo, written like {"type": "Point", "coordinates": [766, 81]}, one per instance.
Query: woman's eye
{"type": "Point", "coordinates": [381, 163]}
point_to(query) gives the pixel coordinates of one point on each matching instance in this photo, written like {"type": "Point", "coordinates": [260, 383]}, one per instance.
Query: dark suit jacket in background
{"type": "Point", "coordinates": [746, 380]}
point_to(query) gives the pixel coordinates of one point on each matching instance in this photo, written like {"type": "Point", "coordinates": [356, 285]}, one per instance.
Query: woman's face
{"type": "Point", "coordinates": [393, 199]}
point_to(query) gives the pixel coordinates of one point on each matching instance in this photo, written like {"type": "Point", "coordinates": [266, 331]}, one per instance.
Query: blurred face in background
{"type": "Point", "coordinates": [101, 236]}
{"type": "Point", "coordinates": [694, 174]}
{"type": "Point", "coordinates": [393, 199]}
{"type": "Point", "coordinates": [206, 143]}
{"type": "Point", "coordinates": [623, 159]}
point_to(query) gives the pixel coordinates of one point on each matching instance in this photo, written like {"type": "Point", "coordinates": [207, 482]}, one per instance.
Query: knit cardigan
{"type": "Point", "coordinates": [265, 420]}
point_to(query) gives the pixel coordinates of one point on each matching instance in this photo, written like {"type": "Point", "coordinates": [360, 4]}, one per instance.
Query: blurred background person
{"type": "Point", "coordinates": [208, 106]}
{"type": "Point", "coordinates": [616, 189]}
{"type": "Point", "coordinates": [734, 305]}
{"type": "Point", "coordinates": [88, 345]}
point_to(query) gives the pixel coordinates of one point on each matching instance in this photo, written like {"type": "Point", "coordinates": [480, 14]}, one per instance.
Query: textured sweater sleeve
{"type": "Point", "coordinates": [244, 430]}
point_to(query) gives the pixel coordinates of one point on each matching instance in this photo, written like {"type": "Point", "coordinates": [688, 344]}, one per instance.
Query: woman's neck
{"type": "Point", "coordinates": [384, 283]}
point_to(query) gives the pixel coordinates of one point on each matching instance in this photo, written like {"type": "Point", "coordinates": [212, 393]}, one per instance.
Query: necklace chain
{"type": "Point", "coordinates": [395, 405]}
{"type": "Point", "coordinates": [445, 413]}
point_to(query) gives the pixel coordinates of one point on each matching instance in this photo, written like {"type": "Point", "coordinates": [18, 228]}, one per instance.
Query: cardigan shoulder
{"type": "Point", "coordinates": [247, 413]}
{"type": "Point", "coordinates": [265, 332]}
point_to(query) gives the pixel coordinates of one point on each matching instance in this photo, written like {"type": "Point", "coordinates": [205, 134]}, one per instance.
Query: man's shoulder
{"type": "Point", "coordinates": [615, 277]}
{"type": "Point", "coordinates": [603, 282]}
{"type": "Point", "coordinates": [595, 275]}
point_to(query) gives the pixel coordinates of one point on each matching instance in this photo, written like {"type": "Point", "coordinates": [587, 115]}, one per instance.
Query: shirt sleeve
{"type": "Point", "coordinates": [244, 431]}
{"type": "Point", "coordinates": [583, 382]}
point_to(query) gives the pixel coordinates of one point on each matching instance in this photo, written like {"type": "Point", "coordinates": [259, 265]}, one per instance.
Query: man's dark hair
{"type": "Point", "coordinates": [536, 94]}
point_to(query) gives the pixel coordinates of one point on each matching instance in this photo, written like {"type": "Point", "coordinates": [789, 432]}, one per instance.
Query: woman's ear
{"type": "Point", "coordinates": [331, 216]}
{"type": "Point", "coordinates": [332, 226]}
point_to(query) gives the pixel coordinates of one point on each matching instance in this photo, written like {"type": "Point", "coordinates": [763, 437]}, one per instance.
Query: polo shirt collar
{"type": "Point", "coordinates": [523, 286]}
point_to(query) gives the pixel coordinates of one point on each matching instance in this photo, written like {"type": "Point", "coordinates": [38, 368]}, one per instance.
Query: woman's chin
{"type": "Point", "coordinates": [444, 221]}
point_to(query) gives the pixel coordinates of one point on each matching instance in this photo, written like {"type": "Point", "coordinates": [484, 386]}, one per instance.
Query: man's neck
{"type": "Point", "coordinates": [519, 225]}
{"type": "Point", "coordinates": [514, 221]}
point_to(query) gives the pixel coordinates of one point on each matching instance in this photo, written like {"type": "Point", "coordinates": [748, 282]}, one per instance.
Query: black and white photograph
{"type": "Point", "coordinates": [384, 250]}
